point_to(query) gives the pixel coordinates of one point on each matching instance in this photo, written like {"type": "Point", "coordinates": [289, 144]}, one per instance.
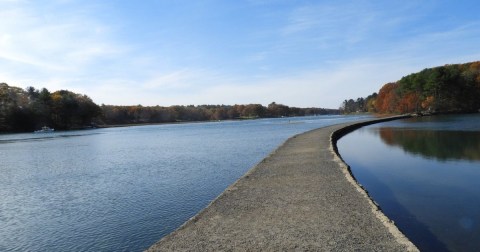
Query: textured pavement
{"type": "Point", "coordinates": [301, 197]}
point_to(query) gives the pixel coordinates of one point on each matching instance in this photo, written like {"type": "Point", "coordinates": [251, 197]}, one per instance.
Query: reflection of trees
{"type": "Point", "coordinates": [442, 145]}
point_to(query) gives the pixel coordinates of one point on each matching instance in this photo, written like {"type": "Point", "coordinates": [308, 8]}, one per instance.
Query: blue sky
{"type": "Point", "coordinates": [299, 53]}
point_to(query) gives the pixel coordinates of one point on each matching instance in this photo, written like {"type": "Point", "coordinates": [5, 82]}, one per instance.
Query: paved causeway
{"type": "Point", "coordinates": [301, 197]}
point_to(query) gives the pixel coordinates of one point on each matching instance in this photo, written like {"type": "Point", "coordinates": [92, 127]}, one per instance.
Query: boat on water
{"type": "Point", "coordinates": [45, 129]}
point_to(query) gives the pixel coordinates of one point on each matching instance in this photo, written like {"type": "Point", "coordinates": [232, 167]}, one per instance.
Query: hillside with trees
{"type": "Point", "coordinates": [449, 88]}
{"type": "Point", "coordinates": [30, 109]}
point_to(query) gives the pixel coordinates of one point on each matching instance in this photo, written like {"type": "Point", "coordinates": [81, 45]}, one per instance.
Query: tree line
{"type": "Point", "coordinates": [449, 88]}
{"type": "Point", "coordinates": [30, 109]}
{"type": "Point", "coordinates": [359, 105]}
{"type": "Point", "coordinates": [113, 115]}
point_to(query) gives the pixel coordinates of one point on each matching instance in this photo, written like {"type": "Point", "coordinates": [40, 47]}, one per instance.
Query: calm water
{"type": "Point", "coordinates": [425, 175]}
{"type": "Point", "coordinates": [122, 189]}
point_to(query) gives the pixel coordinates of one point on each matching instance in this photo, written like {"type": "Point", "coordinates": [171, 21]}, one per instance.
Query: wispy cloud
{"type": "Point", "coordinates": [340, 21]}
{"type": "Point", "coordinates": [53, 42]}
{"type": "Point", "coordinates": [302, 53]}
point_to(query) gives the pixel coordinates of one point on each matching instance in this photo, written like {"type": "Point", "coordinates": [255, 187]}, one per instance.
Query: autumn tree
{"type": "Point", "coordinates": [449, 88]}
{"type": "Point", "coordinates": [387, 99]}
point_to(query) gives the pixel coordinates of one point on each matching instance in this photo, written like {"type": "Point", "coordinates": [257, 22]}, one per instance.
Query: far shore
{"type": "Point", "coordinates": [375, 115]}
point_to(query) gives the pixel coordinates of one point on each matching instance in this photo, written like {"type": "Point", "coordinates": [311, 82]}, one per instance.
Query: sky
{"type": "Point", "coordinates": [181, 52]}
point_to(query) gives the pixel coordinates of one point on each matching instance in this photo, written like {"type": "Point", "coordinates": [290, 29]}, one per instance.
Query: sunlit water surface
{"type": "Point", "coordinates": [425, 175]}
{"type": "Point", "coordinates": [122, 189]}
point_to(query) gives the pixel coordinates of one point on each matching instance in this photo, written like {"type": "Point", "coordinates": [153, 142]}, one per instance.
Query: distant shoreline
{"type": "Point", "coordinates": [179, 122]}
{"type": "Point", "coordinates": [105, 126]}
{"type": "Point", "coordinates": [207, 121]}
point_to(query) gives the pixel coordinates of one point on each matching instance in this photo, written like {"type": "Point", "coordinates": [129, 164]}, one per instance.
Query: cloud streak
{"type": "Point", "coordinates": [300, 54]}
{"type": "Point", "coordinates": [52, 44]}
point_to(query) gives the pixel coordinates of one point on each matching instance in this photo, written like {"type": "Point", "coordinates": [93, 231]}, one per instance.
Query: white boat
{"type": "Point", "coordinates": [45, 129]}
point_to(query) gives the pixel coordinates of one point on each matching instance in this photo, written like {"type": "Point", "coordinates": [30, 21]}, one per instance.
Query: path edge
{"type": "Point", "coordinates": [387, 222]}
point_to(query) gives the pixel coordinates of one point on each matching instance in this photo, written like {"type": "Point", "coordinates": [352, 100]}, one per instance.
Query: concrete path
{"type": "Point", "coordinates": [301, 197]}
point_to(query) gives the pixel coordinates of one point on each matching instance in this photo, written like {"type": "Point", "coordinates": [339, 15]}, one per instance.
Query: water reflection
{"type": "Point", "coordinates": [28, 137]}
{"type": "Point", "coordinates": [423, 172]}
{"type": "Point", "coordinates": [441, 145]}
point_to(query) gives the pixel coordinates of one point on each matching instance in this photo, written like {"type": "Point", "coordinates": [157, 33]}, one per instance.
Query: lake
{"type": "Point", "coordinates": [122, 189]}
{"type": "Point", "coordinates": [425, 175]}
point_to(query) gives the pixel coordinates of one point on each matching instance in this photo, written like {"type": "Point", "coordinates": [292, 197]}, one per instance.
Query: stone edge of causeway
{"type": "Point", "coordinates": [387, 222]}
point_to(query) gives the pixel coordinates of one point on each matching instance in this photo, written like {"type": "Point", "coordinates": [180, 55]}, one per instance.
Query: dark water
{"type": "Point", "coordinates": [122, 189]}
{"type": "Point", "coordinates": [425, 175]}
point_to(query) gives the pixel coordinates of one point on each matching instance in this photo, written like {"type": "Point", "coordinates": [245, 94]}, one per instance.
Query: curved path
{"type": "Point", "coordinates": [301, 197]}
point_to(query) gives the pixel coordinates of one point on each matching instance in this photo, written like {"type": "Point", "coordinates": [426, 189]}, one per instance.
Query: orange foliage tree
{"type": "Point", "coordinates": [387, 99]}
{"type": "Point", "coordinates": [408, 103]}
